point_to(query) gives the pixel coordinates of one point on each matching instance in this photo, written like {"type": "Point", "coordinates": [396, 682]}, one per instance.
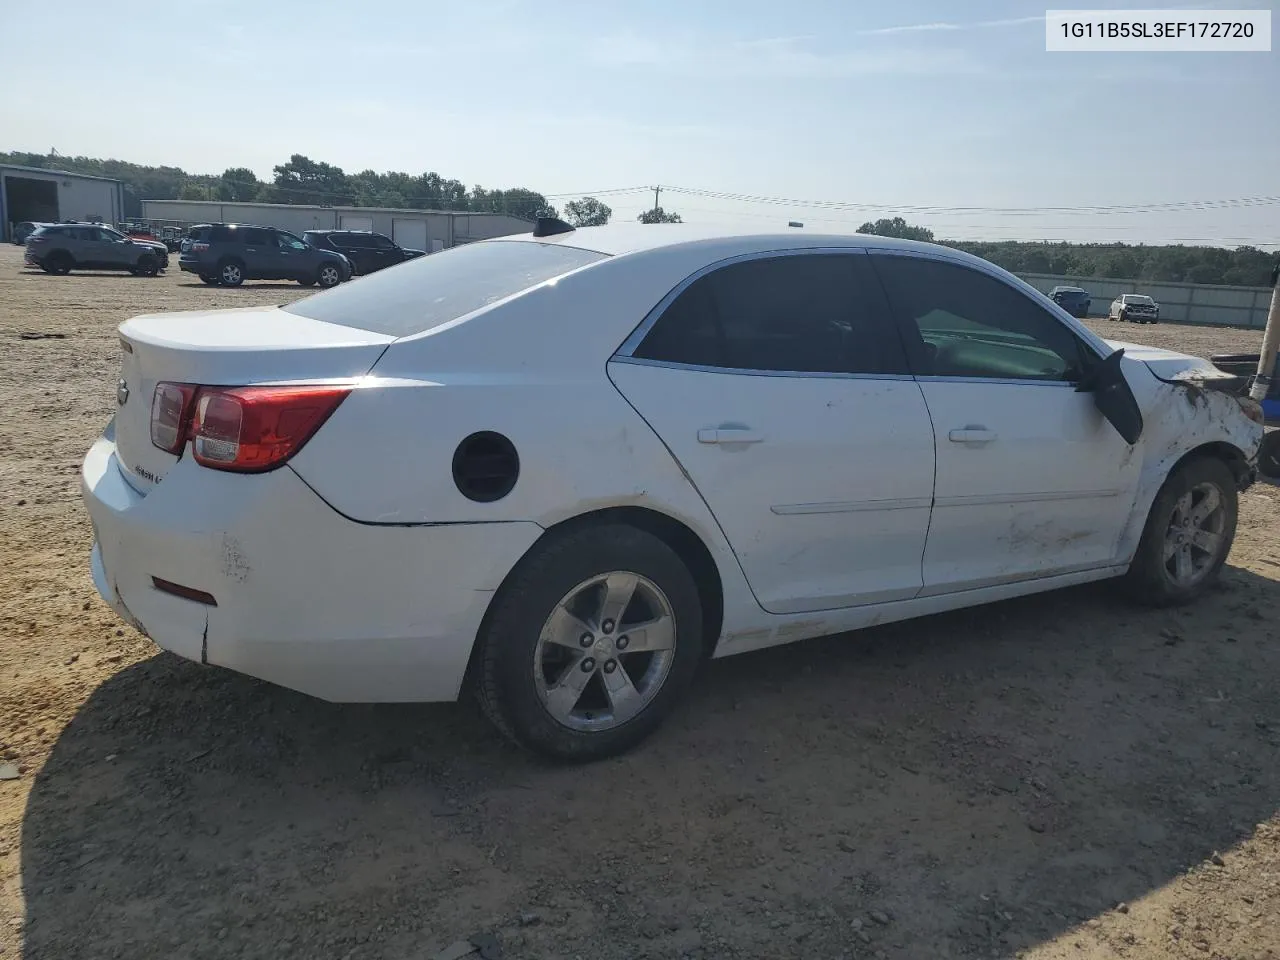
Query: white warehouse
{"type": "Point", "coordinates": [429, 230]}
{"type": "Point", "coordinates": [49, 196]}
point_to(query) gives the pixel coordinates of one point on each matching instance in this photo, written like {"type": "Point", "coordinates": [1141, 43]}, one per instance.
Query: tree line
{"type": "Point", "coordinates": [302, 180]}
{"type": "Point", "coordinates": [1244, 266]}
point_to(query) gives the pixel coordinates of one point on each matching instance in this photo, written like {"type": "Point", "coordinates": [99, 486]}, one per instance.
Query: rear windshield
{"type": "Point", "coordinates": [430, 291]}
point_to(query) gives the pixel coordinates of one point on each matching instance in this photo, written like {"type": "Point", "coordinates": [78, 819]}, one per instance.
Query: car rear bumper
{"type": "Point", "coordinates": [303, 597]}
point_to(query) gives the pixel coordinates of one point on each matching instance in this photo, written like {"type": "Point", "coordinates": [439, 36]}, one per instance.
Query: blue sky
{"type": "Point", "coordinates": [904, 104]}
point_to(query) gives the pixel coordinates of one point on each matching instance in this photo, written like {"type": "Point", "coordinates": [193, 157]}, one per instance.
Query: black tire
{"type": "Point", "coordinates": [147, 266]}
{"type": "Point", "coordinates": [328, 275]}
{"type": "Point", "coordinates": [1269, 456]}
{"type": "Point", "coordinates": [306, 281]}
{"type": "Point", "coordinates": [58, 263]}
{"type": "Point", "coordinates": [1149, 579]}
{"type": "Point", "coordinates": [504, 670]}
{"type": "Point", "coordinates": [230, 273]}
{"type": "Point", "coordinates": [209, 279]}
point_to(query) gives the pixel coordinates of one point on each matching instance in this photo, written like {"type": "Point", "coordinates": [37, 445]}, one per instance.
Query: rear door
{"type": "Point", "coordinates": [780, 386]}
{"type": "Point", "coordinates": [1032, 480]}
{"type": "Point", "coordinates": [258, 250]}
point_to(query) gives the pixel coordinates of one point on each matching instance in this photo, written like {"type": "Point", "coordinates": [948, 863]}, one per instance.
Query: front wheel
{"type": "Point", "coordinates": [147, 266]}
{"type": "Point", "coordinates": [328, 276]}
{"type": "Point", "coordinates": [1188, 535]}
{"type": "Point", "coordinates": [590, 642]}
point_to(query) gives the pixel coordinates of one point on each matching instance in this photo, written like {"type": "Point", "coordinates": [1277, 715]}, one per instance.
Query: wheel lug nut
{"type": "Point", "coordinates": [586, 640]}
{"type": "Point", "coordinates": [610, 666]}
{"type": "Point", "coordinates": [588, 664]}
{"type": "Point", "coordinates": [622, 642]}
{"type": "Point", "coordinates": [607, 626]}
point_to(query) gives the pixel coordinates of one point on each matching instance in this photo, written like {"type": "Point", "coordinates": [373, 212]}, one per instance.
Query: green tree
{"type": "Point", "coordinates": [238, 184]}
{"type": "Point", "coordinates": [897, 227]}
{"type": "Point", "coordinates": [658, 215]}
{"type": "Point", "coordinates": [587, 212]}
{"type": "Point", "coordinates": [303, 180]}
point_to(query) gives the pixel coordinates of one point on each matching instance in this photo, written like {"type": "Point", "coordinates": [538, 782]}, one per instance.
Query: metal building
{"type": "Point", "coordinates": [49, 196]}
{"type": "Point", "coordinates": [429, 230]}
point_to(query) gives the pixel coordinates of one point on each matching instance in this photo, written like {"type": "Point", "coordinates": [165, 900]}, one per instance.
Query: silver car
{"type": "Point", "coordinates": [1134, 308]}
{"type": "Point", "coordinates": [64, 247]}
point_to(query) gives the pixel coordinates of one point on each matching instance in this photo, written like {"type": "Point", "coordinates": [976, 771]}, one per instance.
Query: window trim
{"type": "Point", "coordinates": [624, 353]}
{"type": "Point", "coordinates": [1083, 334]}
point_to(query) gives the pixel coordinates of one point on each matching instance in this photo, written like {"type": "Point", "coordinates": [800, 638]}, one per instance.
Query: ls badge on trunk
{"type": "Point", "coordinates": [122, 392]}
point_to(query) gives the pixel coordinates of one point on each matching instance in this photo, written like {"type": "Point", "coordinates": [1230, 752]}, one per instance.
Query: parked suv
{"type": "Point", "coordinates": [1074, 300]}
{"type": "Point", "coordinates": [63, 247]}
{"type": "Point", "coordinates": [231, 253]}
{"type": "Point", "coordinates": [1135, 308]}
{"type": "Point", "coordinates": [25, 229]}
{"type": "Point", "coordinates": [368, 252]}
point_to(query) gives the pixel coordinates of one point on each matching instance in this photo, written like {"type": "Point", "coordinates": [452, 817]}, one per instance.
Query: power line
{"type": "Point", "coordinates": [1101, 209]}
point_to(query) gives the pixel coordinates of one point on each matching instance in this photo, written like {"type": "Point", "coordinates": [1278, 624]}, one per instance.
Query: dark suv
{"type": "Point", "coordinates": [1071, 299]}
{"type": "Point", "coordinates": [231, 253]}
{"type": "Point", "coordinates": [60, 248]}
{"type": "Point", "coordinates": [368, 252]}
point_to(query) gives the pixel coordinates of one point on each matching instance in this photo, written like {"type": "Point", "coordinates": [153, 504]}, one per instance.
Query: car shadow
{"type": "Point", "coordinates": [255, 285]}
{"type": "Point", "coordinates": [980, 781]}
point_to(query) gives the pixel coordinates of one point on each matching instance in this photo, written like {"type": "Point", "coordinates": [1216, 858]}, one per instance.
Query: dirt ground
{"type": "Point", "coordinates": [1060, 776]}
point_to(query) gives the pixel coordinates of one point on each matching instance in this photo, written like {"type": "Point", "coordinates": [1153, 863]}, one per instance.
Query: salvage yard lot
{"type": "Point", "coordinates": [985, 783]}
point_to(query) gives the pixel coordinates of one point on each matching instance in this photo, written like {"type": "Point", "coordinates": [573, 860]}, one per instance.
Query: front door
{"type": "Point", "coordinates": [293, 257]}
{"type": "Point", "coordinates": [1032, 480]}
{"type": "Point", "coordinates": [780, 386]}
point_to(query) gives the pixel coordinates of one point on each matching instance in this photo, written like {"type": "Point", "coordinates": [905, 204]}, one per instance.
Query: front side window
{"type": "Point", "coordinates": [960, 322]}
{"type": "Point", "coordinates": [379, 242]}
{"type": "Point", "coordinates": [809, 313]}
{"type": "Point", "coordinates": [288, 241]}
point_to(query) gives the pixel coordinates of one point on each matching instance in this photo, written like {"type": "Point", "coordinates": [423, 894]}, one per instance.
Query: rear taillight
{"type": "Point", "coordinates": [170, 415]}
{"type": "Point", "coordinates": [245, 429]}
{"type": "Point", "coordinates": [199, 247]}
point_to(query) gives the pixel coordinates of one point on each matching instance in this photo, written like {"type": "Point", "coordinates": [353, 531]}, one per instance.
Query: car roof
{"type": "Point", "coordinates": [1070, 289]}
{"type": "Point", "coordinates": [627, 238]}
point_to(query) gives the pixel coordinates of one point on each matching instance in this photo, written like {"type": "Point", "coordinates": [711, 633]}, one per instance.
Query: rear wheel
{"type": "Point", "coordinates": [590, 643]}
{"type": "Point", "coordinates": [328, 275]}
{"type": "Point", "coordinates": [59, 264]}
{"type": "Point", "coordinates": [1188, 535]}
{"type": "Point", "coordinates": [231, 273]}
{"type": "Point", "coordinates": [1269, 456]}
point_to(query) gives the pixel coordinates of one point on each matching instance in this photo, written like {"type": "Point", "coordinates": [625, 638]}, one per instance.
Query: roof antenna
{"type": "Point", "coordinates": [550, 226]}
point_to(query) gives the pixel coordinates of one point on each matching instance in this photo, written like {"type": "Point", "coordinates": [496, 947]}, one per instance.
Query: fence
{"type": "Point", "coordinates": [1201, 303]}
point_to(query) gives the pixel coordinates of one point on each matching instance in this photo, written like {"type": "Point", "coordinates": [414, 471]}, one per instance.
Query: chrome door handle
{"type": "Point", "coordinates": [971, 435]}
{"type": "Point", "coordinates": [728, 435]}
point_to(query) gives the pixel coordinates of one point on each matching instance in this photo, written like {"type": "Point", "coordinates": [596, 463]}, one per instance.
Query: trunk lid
{"type": "Point", "coordinates": [252, 345]}
{"type": "Point", "coordinates": [1170, 366]}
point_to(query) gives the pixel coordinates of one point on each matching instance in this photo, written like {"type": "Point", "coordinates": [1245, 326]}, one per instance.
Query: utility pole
{"type": "Point", "coordinates": [657, 206]}
{"type": "Point", "coordinates": [1270, 343]}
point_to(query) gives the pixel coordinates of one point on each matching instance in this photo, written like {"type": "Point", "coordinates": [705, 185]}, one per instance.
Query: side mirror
{"type": "Point", "coordinates": [1113, 396]}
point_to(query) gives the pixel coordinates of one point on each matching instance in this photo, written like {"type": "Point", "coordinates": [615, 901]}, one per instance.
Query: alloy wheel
{"type": "Point", "coordinates": [1196, 535]}
{"type": "Point", "coordinates": [605, 651]}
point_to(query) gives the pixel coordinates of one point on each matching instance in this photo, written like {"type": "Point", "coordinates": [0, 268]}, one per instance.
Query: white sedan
{"type": "Point", "coordinates": [561, 469]}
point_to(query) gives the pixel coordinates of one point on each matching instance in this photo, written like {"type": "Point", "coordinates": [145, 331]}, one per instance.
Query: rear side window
{"type": "Point", "coordinates": [256, 238]}
{"type": "Point", "coordinates": [430, 291]}
{"type": "Point", "coordinates": [223, 234]}
{"type": "Point", "coordinates": [811, 313]}
{"type": "Point", "coordinates": [352, 241]}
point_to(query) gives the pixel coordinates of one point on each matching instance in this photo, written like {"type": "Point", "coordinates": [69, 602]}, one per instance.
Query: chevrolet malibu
{"type": "Point", "coordinates": [560, 470]}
